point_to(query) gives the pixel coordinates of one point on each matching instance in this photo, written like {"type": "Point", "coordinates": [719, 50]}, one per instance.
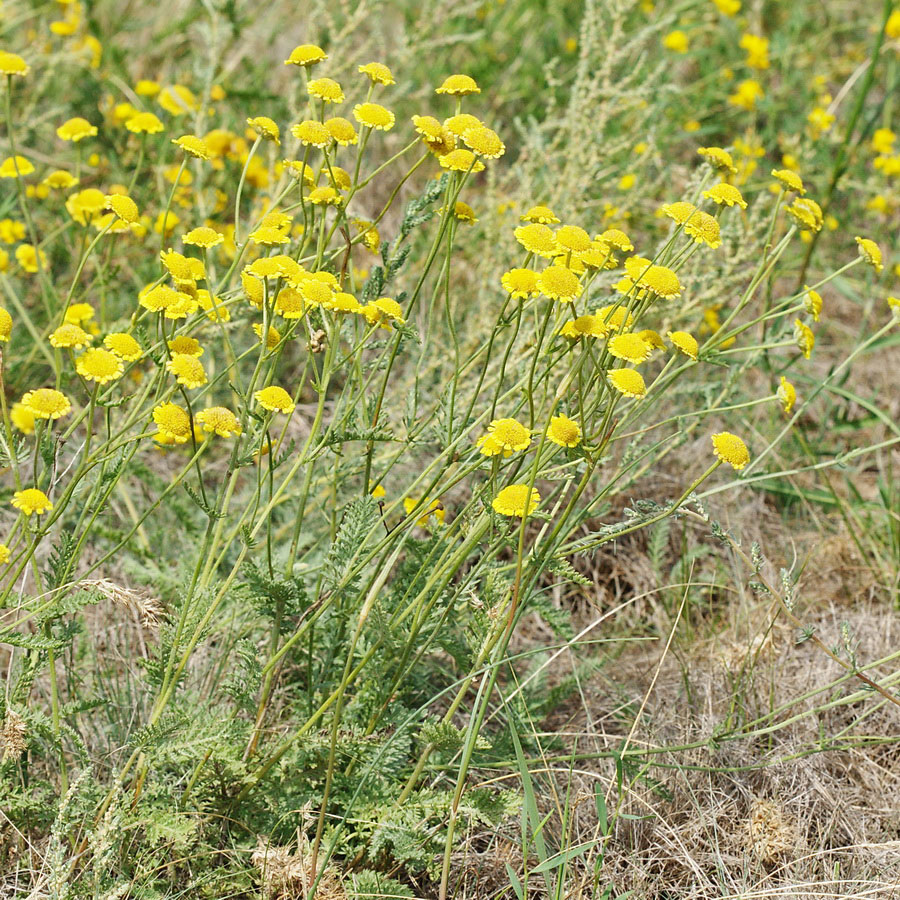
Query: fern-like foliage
{"type": "Point", "coordinates": [359, 518]}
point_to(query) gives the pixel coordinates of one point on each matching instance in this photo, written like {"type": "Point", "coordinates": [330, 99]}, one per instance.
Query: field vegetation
{"type": "Point", "coordinates": [449, 449]}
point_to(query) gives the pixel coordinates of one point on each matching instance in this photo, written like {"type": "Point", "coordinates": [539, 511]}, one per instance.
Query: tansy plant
{"type": "Point", "coordinates": [255, 408]}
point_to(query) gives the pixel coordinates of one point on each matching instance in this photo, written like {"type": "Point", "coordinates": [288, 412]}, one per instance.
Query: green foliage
{"type": "Point", "coordinates": [360, 516]}
{"type": "Point", "coordinates": [288, 659]}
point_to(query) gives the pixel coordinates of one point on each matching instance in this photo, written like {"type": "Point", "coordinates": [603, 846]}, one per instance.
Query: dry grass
{"type": "Point", "coordinates": [807, 810]}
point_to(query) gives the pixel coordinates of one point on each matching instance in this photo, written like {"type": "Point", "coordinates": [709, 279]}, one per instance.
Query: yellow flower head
{"type": "Point", "coordinates": [731, 449]}
{"type": "Point", "coordinates": [804, 338]}
{"type": "Point", "coordinates": [325, 196]}
{"type": "Point", "coordinates": [789, 180]}
{"type": "Point", "coordinates": [757, 50]}
{"type": "Point", "coordinates": [892, 28]}
{"type": "Point", "coordinates": [484, 142]}
{"type": "Point", "coordinates": [520, 282]}
{"type": "Point", "coordinates": [628, 382]}
{"type": "Point", "coordinates": [812, 303]}
{"type": "Point", "coordinates": [187, 369]}
{"type": "Point", "coordinates": [158, 298]}
{"type": "Point", "coordinates": [311, 134]}
{"type": "Point", "coordinates": [15, 167]}
{"type": "Point", "coordinates": [59, 179]}
{"type": "Point", "coordinates": [721, 160]}
{"type": "Point", "coordinates": [383, 310]}
{"type": "Point", "coordinates": [883, 141]}
{"type": "Point", "coordinates": [600, 256]}
{"type": "Point", "coordinates": [460, 123]}
{"type": "Point", "coordinates": [325, 89]}
{"type": "Point", "coordinates": [275, 399]}
{"type": "Point", "coordinates": [614, 237]}
{"type": "Point", "coordinates": [13, 64]}
{"type": "Point", "coordinates": [870, 252]}
{"type": "Point", "coordinates": [11, 231]}
{"type": "Point", "coordinates": [32, 501]}
{"type": "Point", "coordinates": [124, 207]}
{"type": "Point", "coordinates": [786, 394]}
{"type": "Point", "coordinates": [725, 194]}
{"type": "Point", "coordinates": [278, 266]}
{"type": "Point", "coordinates": [46, 403]}
{"type": "Point", "coordinates": [518, 500]}
{"type": "Point", "coordinates": [186, 345]}
{"type": "Point", "coordinates": [806, 213]}
{"type": "Point", "coordinates": [462, 212]}
{"type": "Point", "coordinates": [820, 121]}
{"type": "Point", "coordinates": [704, 229]}
{"type": "Point", "coordinates": [266, 128]}
{"type": "Point", "coordinates": [616, 317]}
{"type": "Point", "coordinates": [685, 342]}
{"type": "Point", "coordinates": [203, 236]}
{"type": "Point", "coordinates": [429, 127]}
{"type": "Point", "coordinates": [374, 115]}
{"type": "Point", "coordinates": [630, 347]}
{"type": "Point", "coordinates": [79, 313]}
{"type": "Point", "coordinates": [215, 309]}
{"type": "Point", "coordinates": [289, 304]}
{"type": "Point", "coordinates": [267, 236]}
{"type": "Point", "coordinates": [564, 431]}
{"type": "Point", "coordinates": [641, 274]}
{"type": "Point", "coordinates": [559, 283]}
{"type": "Point", "coordinates": [69, 336]}
{"type": "Point", "coordinates": [461, 160]}
{"type": "Point", "coordinates": [542, 215]}
{"type": "Point", "coordinates": [297, 169]}
{"type": "Point", "coordinates": [145, 87]}
{"type": "Point", "coordinates": [378, 73]}
{"type": "Point", "coordinates": [165, 222]}
{"type": "Point", "coordinates": [185, 270]}
{"type": "Point", "coordinates": [432, 132]}
{"type": "Point", "coordinates": [573, 239]}
{"type": "Point", "coordinates": [173, 422]}
{"type": "Point", "coordinates": [144, 123]}
{"type": "Point", "coordinates": [6, 324]}
{"type": "Point", "coordinates": [747, 93]}
{"type": "Point", "coordinates": [219, 420]}
{"type": "Point", "coordinates": [653, 338]}
{"type": "Point", "coordinates": [537, 239]}
{"type": "Point", "coordinates": [342, 131]}
{"type": "Point", "coordinates": [435, 509]}
{"type": "Point", "coordinates": [306, 55]}
{"type": "Point", "coordinates": [458, 86]}
{"type": "Point", "coordinates": [176, 99]}
{"type": "Point", "coordinates": [342, 302]}
{"type": "Point", "coordinates": [504, 436]}
{"type": "Point", "coordinates": [99, 365]}
{"type": "Point", "coordinates": [193, 146]}
{"type": "Point", "coordinates": [123, 345]}
{"type": "Point", "coordinates": [277, 219]}
{"type": "Point", "coordinates": [76, 129]}
{"type": "Point", "coordinates": [677, 41]}
{"type": "Point", "coordinates": [680, 211]}
{"type": "Point", "coordinates": [22, 418]}
{"type": "Point", "coordinates": [184, 305]}
{"type": "Point", "coordinates": [27, 257]}
{"type": "Point", "coordinates": [86, 205]}
{"type": "Point", "coordinates": [591, 325]}
{"type": "Point", "coordinates": [317, 293]}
